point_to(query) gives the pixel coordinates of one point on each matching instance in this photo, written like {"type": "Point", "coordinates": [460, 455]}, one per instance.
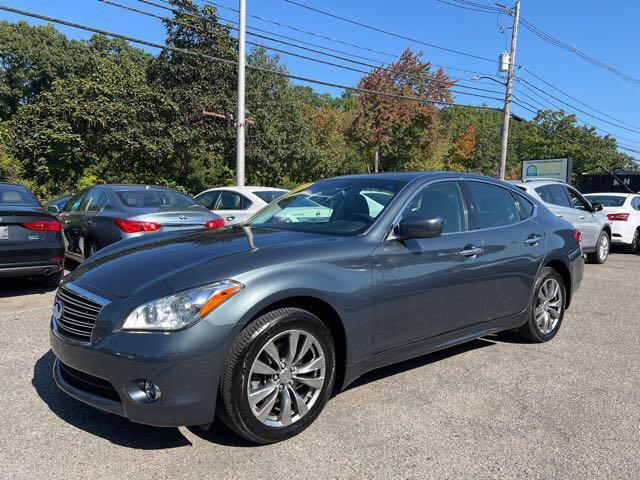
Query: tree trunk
{"type": "Point", "coordinates": [377, 164]}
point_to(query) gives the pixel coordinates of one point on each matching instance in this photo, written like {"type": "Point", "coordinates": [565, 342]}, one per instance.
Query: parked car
{"type": "Point", "coordinates": [57, 205]}
{"type": "Point", "coordinates": [101, 215]}
{"type": "Point", "coordinates": [30, 240]}
{"type": "Point", "coordinates": [623, 212]}
{"type": "Point", "coordinates": [568, 203]}
{"type": "Point", "coordinates": [269, 317]}
{"type": "Point", "coordinates": [238, 204]}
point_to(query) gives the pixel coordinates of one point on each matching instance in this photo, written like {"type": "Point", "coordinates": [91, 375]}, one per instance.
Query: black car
{"type": "Point", "coordinates": [30, 239]}
{"type": "Point", "coordinates": [258, 323]}
{"type": "Point", "coordinates": [104, 214]}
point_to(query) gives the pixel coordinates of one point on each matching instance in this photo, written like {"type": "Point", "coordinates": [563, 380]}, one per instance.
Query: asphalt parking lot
{"type": "Point", "coordinates": [494, 408]}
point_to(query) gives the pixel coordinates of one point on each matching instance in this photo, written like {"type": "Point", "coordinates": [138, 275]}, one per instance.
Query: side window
{"type": "Point", "coordinates": [577, 201]}
{"type": "Point", "coordinates": [74, 202]}
{"type": "Point", "coordinates": [96, 200]}
{"type": "Point", "coordinates": [559, 195]}
{"type": "Point", "coordinates": [494, 205]}
{"type": "Point", "coordinates": [636, 203]}
{"type": "Point", "coordinates": [544, 194]}
{"type": "Point", "coordinates": [441, 200]}
{"type": "Point", "coordinates": [208, 199]}
{"type": "Point", "coordinates": [524, 205]}
{"type": "Point", "coordinates": [229, 201]}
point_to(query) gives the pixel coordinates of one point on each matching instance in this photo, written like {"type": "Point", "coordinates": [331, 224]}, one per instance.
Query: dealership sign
{"type": "Point", "coordinates": [554, 168]}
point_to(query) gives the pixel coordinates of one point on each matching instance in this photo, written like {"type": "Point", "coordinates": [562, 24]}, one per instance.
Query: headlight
{"type": "Point", "coordinates": [182, 309]}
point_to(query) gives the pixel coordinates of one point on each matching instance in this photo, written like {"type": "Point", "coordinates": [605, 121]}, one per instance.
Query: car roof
{"type": "Point", "coordinates": [245, 189]}
{"type": "Point", "coordinates": [411, 176]}
{"type": "Point", "coordinates": [133, 186]}
{"type": "Point", "coordinates": [612, 194]}
{"type": "Point", "coordinates": [540, 182]}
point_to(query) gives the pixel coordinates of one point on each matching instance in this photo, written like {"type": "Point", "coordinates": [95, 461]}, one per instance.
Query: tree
{"type": "Point", "coordinates": [380, 119]}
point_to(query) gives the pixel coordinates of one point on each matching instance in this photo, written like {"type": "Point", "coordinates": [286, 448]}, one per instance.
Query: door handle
{"type": "Point", "coordinates": [231, 218]}
{"type": "Point", "coordinates": [582, 218]}
{"type": "Point", "coordinates": [559, 215]}
{"type": "Point", "coordinates": [470, 251]}
{"type": "Point", "coordinates": [533, 240]}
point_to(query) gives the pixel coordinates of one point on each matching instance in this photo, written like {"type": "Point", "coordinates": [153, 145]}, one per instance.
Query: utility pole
{"type": "Point", "coordinates": [240, 118]}
{"type": "Point", "coordinates": [507, 98]}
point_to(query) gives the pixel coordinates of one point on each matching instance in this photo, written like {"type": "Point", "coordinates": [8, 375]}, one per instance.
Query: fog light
{"type": "Point", "coordinates": [151, 390]}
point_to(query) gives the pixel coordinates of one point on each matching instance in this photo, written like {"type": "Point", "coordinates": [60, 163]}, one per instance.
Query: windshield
{"type": "Point", "coordinates": [332, 207]}
{"type": "Point", "coordinates": [155, 199]}
{"type": "Point", "coordinates": [10, 195]}
{"type": "Point", "coordinates": [269, 196]}
{"type": "Point", "coordinates": [607, 200]}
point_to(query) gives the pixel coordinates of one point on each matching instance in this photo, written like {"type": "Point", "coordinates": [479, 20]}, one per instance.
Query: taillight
{"type": "Point", "coordinates": [217, 223]}
{"type": "Point", "coordinates": [46, 226]}
{"type": "Point", "coordinates": [618, 217]}
{"type": "Point", "coordinates": [577, 236]}
{"type": "Point", "coordinates": [134, 226]}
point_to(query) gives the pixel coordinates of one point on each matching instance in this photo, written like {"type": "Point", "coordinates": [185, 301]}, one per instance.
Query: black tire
{"type": "Point", "coordinates": [91, 248]}
{"type": "Point", "coordinates": [635, 243]}
{"type": "Point", "coordinates": [531, 330]}
{"type": "Point", "coordinates": [51, 281]}
{"type": "Point", "coordinates": [600, 257]}
{"type": "Point", "coordinates": [235, 409]}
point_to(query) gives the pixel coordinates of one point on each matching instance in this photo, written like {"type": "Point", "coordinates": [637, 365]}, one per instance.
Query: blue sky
{"type": "Point", "coordinates": [606, 30]}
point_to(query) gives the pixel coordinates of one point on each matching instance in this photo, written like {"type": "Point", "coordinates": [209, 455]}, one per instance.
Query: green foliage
{"type": "Point", "coordinates": [77, 113]}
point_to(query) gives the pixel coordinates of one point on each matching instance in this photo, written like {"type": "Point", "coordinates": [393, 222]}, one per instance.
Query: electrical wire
{"type": "Point", "coordinates": [213, 58]}
{"type": "Point", "coordinates": [560, 44]}
{"type": "Point", "coordinates": [305, 57]}
{"type": "Point", "coordinates": [328, 38]}
{"type": "Point", "coordinates": [386, 32]}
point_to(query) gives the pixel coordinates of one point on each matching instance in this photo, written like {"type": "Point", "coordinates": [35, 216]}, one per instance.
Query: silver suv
{"type": "Point", "coordinates": [566, 202]}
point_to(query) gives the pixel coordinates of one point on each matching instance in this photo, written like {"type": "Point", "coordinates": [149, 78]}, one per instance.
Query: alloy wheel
{"type": "Point", "coordinates": [635, 243]}
{"type": "Point", "coordinates": [548, 306]}
{"type": "Point", "coordinates": [286, 378]}
{"type": "Point", "coordinates": [603, 247]}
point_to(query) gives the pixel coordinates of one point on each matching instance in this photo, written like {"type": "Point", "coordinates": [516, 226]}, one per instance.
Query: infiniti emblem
{"type": "Point", "coordinates": [182, 217]}
{"type": "Point", "coordinates": [58, 310]}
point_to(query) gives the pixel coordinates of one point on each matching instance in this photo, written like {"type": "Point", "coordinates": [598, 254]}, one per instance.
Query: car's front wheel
{"type": "Point", "coordinates": [547, 307]}
{"type": "Point", "coordinates": [634, 246]}
{"type": "Point", "coordinates": [278, 375]}
{"type": "Point", "coordinates": [602, 250]}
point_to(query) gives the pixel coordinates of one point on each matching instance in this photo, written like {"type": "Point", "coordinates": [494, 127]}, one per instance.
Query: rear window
{"type": "Point", "coordinates": [10, 195]}
{"type": "Point", "coordinates": [269, 196]}
{"type": "Point", "coordinates": [155, 199]}
{"type": "Point", "coordinates": [607, 200]}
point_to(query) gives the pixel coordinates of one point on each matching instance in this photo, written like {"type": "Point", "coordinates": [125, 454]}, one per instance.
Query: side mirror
{"type": "Point", "coordinates": [53, 208]}
{"type": "Point", "coordinates": [419, 226]}
{"type": "Point", "coordinates": [596, 207]}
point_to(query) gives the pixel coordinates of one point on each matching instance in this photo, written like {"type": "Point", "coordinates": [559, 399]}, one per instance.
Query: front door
{"type": "Point", "coordinates": [430, 286]}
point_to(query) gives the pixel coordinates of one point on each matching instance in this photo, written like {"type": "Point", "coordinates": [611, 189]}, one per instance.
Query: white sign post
{"type": "Point", "coordinates": [551, 168]}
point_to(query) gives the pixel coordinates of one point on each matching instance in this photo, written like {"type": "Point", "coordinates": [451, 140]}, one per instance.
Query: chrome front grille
{"type": "Point", "coordinates": [75, 314]}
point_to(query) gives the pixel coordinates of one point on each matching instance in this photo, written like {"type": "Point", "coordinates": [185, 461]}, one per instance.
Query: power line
{"type": "Point", "coordinates": [213, 58]}
{"type": "Point", "coordinates": [577, 100]}
{"type": "Point", "coordinates": [297, 55]}
{"type": "Point", "coordinates": [386, 32]}
{"type": "Point", "coordinates": [476, 7]}
{"type": "Point", "coordinates": [328, 38]}
{"type": "Point", "coordinates": [560, 44]}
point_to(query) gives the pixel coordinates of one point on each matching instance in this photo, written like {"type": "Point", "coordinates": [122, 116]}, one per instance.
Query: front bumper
{"type": "Point", "coordinates": [107, 374]}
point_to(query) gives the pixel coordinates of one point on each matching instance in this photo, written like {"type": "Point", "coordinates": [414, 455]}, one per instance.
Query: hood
{"type": "Point", "coordinates": [129, 266]}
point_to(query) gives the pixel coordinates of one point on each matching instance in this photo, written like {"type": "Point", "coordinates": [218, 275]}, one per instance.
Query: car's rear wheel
{"type": "Point", "coordinates": [602, 249]}
{"type": "Point", "coordinates": [635, 242]}
{"type": "Point", "coordinates": [278, 375]}
{"type": "Point", "coordinates": [547, 307]}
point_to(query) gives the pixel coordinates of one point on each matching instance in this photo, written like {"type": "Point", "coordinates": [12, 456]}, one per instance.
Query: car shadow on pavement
{"type": "Point", "coordinates": [16, 287]}
{"type": "Point", "coordinates": [113, 428]}
{"type": "Point", "coordinates": [418, 362]}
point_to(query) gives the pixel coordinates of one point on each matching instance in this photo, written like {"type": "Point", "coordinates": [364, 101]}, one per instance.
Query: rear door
{"type": "Point", "coordinates": [514, 247]}
{"type": "Point", "coordinates": [91, 222]}
{"type": "Point", "coordinates": [232, 207]}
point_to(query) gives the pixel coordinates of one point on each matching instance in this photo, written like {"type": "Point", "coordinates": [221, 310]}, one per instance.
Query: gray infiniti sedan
{"type": "Point", "coordinates": [259, 324]}
{"type": "Point", "coordinates": [104, 214]}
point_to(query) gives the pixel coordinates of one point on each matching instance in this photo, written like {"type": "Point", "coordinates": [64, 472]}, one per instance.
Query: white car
{"type": "Point", "coordinates": [238, 204]}
{"type": "Point", "coordinates": [568, 203]}
{"type": "Point", "coordinates": [623, 211]}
